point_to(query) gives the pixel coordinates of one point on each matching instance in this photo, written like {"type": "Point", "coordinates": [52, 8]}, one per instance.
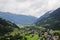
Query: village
{"type": "Point", "coordinates": [43, 33]}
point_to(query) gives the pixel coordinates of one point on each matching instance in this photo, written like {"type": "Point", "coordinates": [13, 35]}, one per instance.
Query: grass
{"type": "Point", "coordinates": [32, 37]}
{"type": "Point", "coordinates": [57, 31]}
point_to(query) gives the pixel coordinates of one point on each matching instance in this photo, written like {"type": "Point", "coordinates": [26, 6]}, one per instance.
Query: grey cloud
{"type": "Point", "coordinates": [29, 7]}
{"type": "Point", "coordinates": [21, 0]}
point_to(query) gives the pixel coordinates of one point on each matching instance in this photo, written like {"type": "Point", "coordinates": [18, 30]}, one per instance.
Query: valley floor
{"type": "Point", "coordinates": [32, 33]}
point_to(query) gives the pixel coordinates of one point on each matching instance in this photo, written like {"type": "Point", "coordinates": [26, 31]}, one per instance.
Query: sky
{"type": "Point", "coordinates": [29, 7]}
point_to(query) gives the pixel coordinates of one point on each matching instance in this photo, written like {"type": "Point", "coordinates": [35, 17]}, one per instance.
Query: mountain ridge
{"type": "Point", "coordinates": [52, 20]}
{"type": "Point", "coordinates": [18, 19]}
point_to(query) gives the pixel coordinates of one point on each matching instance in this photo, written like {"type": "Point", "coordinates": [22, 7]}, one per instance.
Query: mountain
{"type": "Point", "coordinates": [50, 20]}
{"type": "Point", "coordinates": [42, 18]}
{"type": "Point", "coordinates": [18, 19]}
{"type": "Point", "coordinates": [6, 26]}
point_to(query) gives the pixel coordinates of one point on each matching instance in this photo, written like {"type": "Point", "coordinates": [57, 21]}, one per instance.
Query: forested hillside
{"type": "Point", "coordinates": [7, 29]}
{"type": "Point", "coordinates": [50, 20]}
